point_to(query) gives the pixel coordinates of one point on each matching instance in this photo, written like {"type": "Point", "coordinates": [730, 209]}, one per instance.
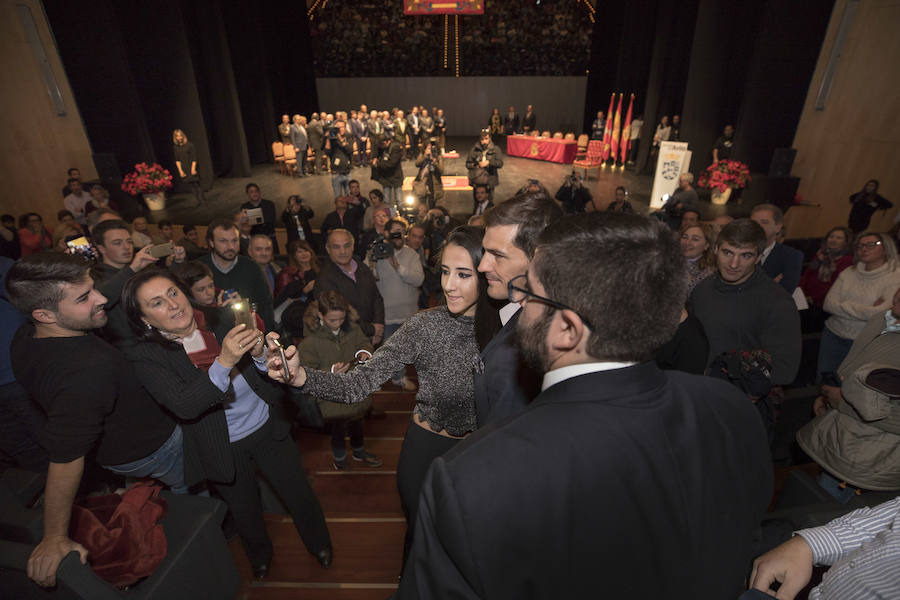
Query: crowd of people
{"type": "Point", "coordinates": [510, 38]}
{"type": "Point", "coordinates": [561, 350]}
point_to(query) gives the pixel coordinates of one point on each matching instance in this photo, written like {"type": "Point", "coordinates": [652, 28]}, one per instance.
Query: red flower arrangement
{"type": "Point", "coordinates": [147, 179]}
{"type": "Point", "coordinates": [725, 174]}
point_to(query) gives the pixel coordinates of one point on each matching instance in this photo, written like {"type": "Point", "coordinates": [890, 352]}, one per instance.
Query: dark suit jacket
{"type": "Point", "coordinates": [198, 405]}
{"type": "Point", "coordinates": [787, 262]}
{"type": "Point", "coordinates": [507, 385]}
{"type": "Point", "coordinates": [630, 483]}
{"type": "Point", "coordinates": [510, 126]}
{"type": "Point", "coordinates": [362, 294]}
{"type": "Point", "coordinates": [529, 122]}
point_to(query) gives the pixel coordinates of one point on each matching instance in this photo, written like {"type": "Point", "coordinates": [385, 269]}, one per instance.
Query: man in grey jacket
{"type": "Point", "coordinates": [300, 142]}
{"type": "Point", "coordinates": [316, 134]}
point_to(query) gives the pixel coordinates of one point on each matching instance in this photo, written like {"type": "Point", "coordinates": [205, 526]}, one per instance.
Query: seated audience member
{"type": "Point", "coordinates": [482, 199]}
{"type": "Point", "coordinates": [341, 218]}
{"type": "Point", "coordinates": [118, 262]}
{"type": "Point", "coordinates": [690, 216]}
{"type": "Point", "coordinates": [67, 219]}
{"type": "Point", "coordinates": [593, 333]}
{"type": "Point", "coordinates": [860, 548]}
{"type": "Point", "coordinates": [835, 255]}
{"type": "Point", "coordinates": [685, 194]}
{"type": "Point", "coordinates": [10, 246]}
{"type": "Point", "coordinates": [783, 263]}
{"type": "Point", "coordinates": [232, 417]}
{"type": "Point", "coordinates": [140, 232]}
{"type": "Point", "coordinates": [242, 223]}
{"type": "Point", "coordinates": [100, 215]}
{"type": "Point", "coordinates": [866, 203]}
{"type": "Point", "coordinates": [718, 223]}
{"type": "Point", "coordinates": [89, 395]}
{"type": "Point", "coordinates": [77, 200]}
{"type": "Point", "coordinates": [72, 173]}
{"type": "Point", "coordinates": [619, 204]}
{"type": "Point", "coordinates": [855, 436]}
{"type": "Point", "coordinates": [697, 249]}
{"type": "Point", "coordinates": [355, 200]}
{"type": "Point", "coordinates": [355, 282]}
{"type": "Point", "coordinates": [301, 271]}
{"type": "Point", "coordinates": [164, 232]}
{"type": "Point", "coordinates": [99, 199]}
{"type": "Point", "coordinates": [255, 200]}
{"type": "Point", "coordinates": [334, 342]}
{"type": "Point", "coordinates": [190, 242]}
{"type": "Point", "coordinates": [295, 219]}
{"type": "Point", "coordinates": [232, 271]}
{"type": "Point", "coordinates": [687, 349]}
{"type": "Point", "coordinates": [33, 236]}
{"type": "Point", "coordinates": [572, 194]}
{"type": "Point", "coordinates": [742, 309]}
{"type": "Point", "coordinates": [860, 291]}
{"type": "Point", "coordinates": [261, 253]}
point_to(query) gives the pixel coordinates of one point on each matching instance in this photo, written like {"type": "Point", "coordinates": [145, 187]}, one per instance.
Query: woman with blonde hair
{"type": "Point", "coordinates": [697, 249]}
{"type": "Point", "coordinates": [186, 163]}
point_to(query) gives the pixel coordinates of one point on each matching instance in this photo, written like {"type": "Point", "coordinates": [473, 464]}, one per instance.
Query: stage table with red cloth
{"type": "Point", "coordinates": [549, 149]}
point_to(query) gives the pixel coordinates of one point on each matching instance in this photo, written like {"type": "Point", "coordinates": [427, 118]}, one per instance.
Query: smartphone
{"type": "Point", "coordinates": [161, 250]}
{"type": "Point", "coordinates": [284, 361]}
{"type": "Point", "coordinates": [243, 314]}
{"type": "Point", "coordinates": [80, 246]}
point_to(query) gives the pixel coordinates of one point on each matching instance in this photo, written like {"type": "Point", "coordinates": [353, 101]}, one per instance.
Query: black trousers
{"type": "Point", "coordinates": [279, 461]}
{"type": "Point", "coordinates": [420, 447]}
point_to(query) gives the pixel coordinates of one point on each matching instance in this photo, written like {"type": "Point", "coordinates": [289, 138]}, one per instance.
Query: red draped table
{"type": "Point", "coordinates": [549, 149]}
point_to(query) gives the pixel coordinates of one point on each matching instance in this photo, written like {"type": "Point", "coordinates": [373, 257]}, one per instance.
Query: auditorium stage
{"type": "Point", "coordinates": [227, 194]}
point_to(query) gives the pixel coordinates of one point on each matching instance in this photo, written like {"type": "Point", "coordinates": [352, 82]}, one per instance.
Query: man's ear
{"type": "Point", "coordinates": [566, 332]}
{"type": "Point", "coordinates": [43, 315]}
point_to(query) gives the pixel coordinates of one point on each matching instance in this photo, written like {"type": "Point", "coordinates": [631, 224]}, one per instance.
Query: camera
{"type": "Point", "coordinates": [381, 248]}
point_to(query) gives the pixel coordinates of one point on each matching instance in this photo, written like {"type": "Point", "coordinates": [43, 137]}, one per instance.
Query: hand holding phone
{"type": "Point", "coordinates": [161, 250]}
{"type": "Point", "coordinates": [243, 314]}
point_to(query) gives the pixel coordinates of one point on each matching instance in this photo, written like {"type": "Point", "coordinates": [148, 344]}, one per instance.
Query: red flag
{"type": "Point", "coordinates": [626, 132]}
{"type": "Point", "coordinates": [617, 129]}
{"type": "Point", "coordinates": [607, 132]}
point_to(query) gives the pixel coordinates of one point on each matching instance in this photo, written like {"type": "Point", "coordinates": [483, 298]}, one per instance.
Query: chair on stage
{"type": "Point", "coordinates": [558, 135]}
{"type": "Point", "coordinates": [278, 153]}
{"type": "Point", "coordinates": [545, 134]}
{"type": "Point", "coordinates": [290, 158]}
{"type": "Point", "coordinates": [592, 160]}
{"type": "Point", "coordinates": [581, 152]}
{"type": "Point", "coordinates": [569, 136]}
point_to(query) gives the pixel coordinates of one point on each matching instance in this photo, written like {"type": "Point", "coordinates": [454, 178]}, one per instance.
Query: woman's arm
{"type": "Point", "coordinates": [186, 399]}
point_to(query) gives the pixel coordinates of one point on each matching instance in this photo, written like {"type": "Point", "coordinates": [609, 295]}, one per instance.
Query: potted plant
{"type": "Point", "coordinates": [151, 181]}
{"type": "Point", "coordinates": [722, 177]}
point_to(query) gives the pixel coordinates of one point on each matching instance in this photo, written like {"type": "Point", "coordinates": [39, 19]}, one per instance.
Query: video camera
{"type": "Point", "coordinates": [382, 248]}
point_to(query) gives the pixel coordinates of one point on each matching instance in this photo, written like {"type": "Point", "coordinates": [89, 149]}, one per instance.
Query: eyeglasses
{"type": "Point", "coordinates": [519, 295]}
{"type": "Point", "coordinates": [868, 245]}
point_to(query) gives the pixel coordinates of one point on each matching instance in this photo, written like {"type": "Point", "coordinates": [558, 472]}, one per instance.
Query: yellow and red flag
{"type": "Point", "coordinates": [626, 132]}
{"type": "Point", "coordinates": [607, 131]}
{"type": "Point", "coordinates": [616, 131]}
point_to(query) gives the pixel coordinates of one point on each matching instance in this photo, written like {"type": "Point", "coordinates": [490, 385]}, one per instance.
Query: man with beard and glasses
{"type": "Point", "coordinates": [232, 271]}
{"type": "Point", "coordinates": [506, 385]}
{"type": "Point", "coordinates": [88, 393]}
{"type": "Point", "coordinates": [619, 474]}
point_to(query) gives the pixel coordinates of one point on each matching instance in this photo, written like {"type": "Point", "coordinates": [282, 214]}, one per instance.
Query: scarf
{"type": "Point", "coordinates": [826, 265]}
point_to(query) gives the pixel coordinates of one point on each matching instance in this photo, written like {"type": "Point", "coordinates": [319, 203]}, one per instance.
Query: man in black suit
{"type": "Point", "coordinates": [529, 121]}
{"type": "Point", "coordinates": [507, 384]}
{"type": "Point", "coordinates": [620, 479]}
{"type": "Point", "coordinates": [316, 135]}
{"type": "Point", "coordinates": [511, 122]}
{"type": "Point", "coordinates": [782, 263]}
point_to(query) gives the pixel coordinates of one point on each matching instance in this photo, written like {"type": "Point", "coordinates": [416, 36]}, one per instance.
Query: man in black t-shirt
{"type": "Point", "coordinates": [88, 393]}
{"type": "Point", "coordinates": [724, 145]}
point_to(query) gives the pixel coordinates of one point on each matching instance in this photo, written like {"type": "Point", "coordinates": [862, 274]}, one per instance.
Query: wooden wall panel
{"type": "Point", "coordinates": [857, 136]}
{"type": "Point", "coordinates": [39, 146]}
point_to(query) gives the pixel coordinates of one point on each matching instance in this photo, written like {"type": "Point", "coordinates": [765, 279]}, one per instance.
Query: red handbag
{"type": "Point", "coordinates": [123, 534]}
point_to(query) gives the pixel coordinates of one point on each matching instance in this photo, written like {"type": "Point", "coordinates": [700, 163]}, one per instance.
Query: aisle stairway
{"type": "Point", "coordinates": [362, 508]}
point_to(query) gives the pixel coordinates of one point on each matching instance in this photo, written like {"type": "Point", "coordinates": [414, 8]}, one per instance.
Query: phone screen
{"type": "Point", "coordinates": [243, 314]}
{"type": "Point", "coordinates": [80, 246]}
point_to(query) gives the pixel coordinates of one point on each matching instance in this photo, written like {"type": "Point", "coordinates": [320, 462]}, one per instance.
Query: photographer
{"type": "Point", "coordinates": [427, 186]}
{"type": "Point", "coordinates": [572, 195]}
{"type": "Point", "coordinates": [484, 161]}
{"type": "Point", "coordinates": [399, 276]}
{"type": "Point", "coordinates": [339, 147]}
{"type": "Point", "coordinates": [387, 169]}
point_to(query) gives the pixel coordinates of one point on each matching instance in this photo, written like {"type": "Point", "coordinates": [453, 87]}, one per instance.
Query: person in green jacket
{"type": "Point", "coordinates": [333, 341]}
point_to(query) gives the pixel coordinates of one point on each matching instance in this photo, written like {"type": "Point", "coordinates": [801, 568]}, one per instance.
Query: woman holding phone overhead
{"type": "Point", "coordinates": [230, 414]}
{"type": "Point", "coordinates": [444, 345]}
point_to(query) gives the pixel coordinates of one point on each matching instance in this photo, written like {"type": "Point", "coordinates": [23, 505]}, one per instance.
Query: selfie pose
{"type": "Point", "coordinates": [230, 414]}
{"type": "Point", "coordinates": [443, 344]}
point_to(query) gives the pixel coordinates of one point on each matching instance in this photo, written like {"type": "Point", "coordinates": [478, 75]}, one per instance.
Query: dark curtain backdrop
{"type": "Point", "coordinates": [223, 71]}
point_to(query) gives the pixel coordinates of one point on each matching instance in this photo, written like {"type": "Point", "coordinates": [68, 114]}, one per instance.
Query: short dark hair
{"type": "Point", "coordinates": [64, 213]}
{"type": "Point", "coordinates": [696, 211]}
{"type": "Point", "coordinates": [531, 211]}
{"type": "Point", "coordinates": [190, 272]}
{"type": "Point", "coordinates": [133, 307]}
{"type": "Point", "coordinates": [218, 224]}
{"type": "Point", "coordinates": [72, 180]}
{"type": "Point", "coordinates": [186, 229]}
{"type": "Point", "coordinates": [621, 187]}
{"type": "Point", "coordinates": [777, 213]}
{"type": "Point", "coordinates": [623, 273]}
{"type": "Point", "coordinates": [352, 181]}
{"type": "Point", "coordinates": [396, 221]}
{"type": "Point", "coordinates": [36, 281]}
{"type": "Point", "coordinates": [378, 193]}
{"type": "Point", "coordinates": [250, 185]}
{"type": "Point", "coordinates": [5, 218]}
{"type": "Point", "coordinates": [98, 233]}
{"type": "Point", "coordinates": [743, 232]}
{"type": "Point", "coordinates": [486, 187]}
